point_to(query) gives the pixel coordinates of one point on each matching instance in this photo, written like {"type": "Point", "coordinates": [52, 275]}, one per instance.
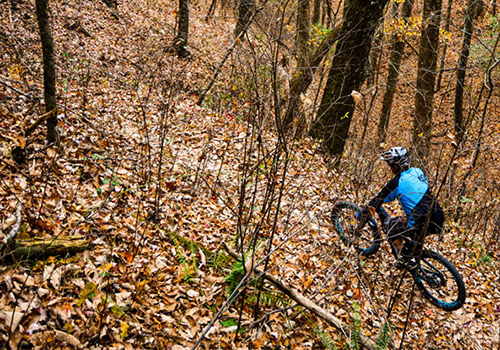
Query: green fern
{"type": "Point", "coordinates": [193, 251]}
{"type": "Point", "coordinates": [189, 268]}
{"type": "Point", "coordinates": [382, 342]}
{"type": "Point", "coordinates": [219, 260]}
{"type": "Point", "coordinates": [324, 338]}
{"type": "Point", "coordinates": [270, 298]}
{"type": "Point", "coordinates": [235, 276]}
{"type": "Point", "coordinates": [180, 257]}
{"type": "Point", "coordinates": [355, 338]}
{"type": "Point", "coordinates": [237, 273]}
{"type": "Point", "coordinates": [384, 337]}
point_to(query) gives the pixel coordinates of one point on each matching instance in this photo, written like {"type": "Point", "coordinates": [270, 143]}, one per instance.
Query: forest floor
{"type": "Point", "coordinates": [128, 108]}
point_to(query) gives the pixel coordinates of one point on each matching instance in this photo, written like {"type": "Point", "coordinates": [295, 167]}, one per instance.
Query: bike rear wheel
{"type": "Point", "coordinates": [440, 282]}
{"type": "Point", "coordinates": [366, 240]}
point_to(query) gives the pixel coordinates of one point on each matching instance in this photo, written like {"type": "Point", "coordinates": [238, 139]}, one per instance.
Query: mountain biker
{"type": "Point", "coordinates": [411, 188]}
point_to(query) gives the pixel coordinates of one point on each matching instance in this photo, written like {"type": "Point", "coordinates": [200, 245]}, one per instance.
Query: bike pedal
{"type": "Point", "coordinates": [404, 264]}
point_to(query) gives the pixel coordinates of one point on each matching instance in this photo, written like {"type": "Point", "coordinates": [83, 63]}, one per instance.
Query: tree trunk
{"type": "Point", "coordinates": [426, 77]}
{"type": "Point", "coordinates": [328, 11]}
{"type": "Point", "coordinates": [181, 41]}
{"type": "Point", "coordinates": [347, 73]}
{"type": "Point", "coordinates": [374, 58]}
{"type": "Point", "coordinates": [245, 12]}
{"type": "Point", "coordinates": [302, 33]}
{"type": "Point", "coordinates": [470, 14]}
{"type": "Point", "coordinates": [398, 46]}
{"type": "Point", "coordinates": [445, 46]}
{"type": "Point", "coordinates": [301, 79]}
{"type": "Point", "coordinates": [49, 70]}
{"type": "Point", "coordinates": [303, 64]}
{"type": "Point", "coordinates": [316, 17]}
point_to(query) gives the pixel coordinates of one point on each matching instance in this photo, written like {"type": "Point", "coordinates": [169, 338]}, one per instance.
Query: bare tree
{"type": "Point", "coordinates": [474, 7]}
{"type": "Point", "coordinates": [445, 46]}
{"type": "Point", "coordinates": [426, 76]}
{"type": "Point", "coordinates": [181, 39]}
{"type": "Point", "coordinates": [245, 13]}
{"type": "Point", "coordinates": [398, 46]}
{"type": "Point", "coordinates": [302, 78]}
{"type": "Point", "coordinates": [302, 33]}
{"type": "Point", "coordinates": [347, 73]}
{"type": "Point", "coordinates": [316, 15]}
{"type": "Point", "coordinates": [49, 71]}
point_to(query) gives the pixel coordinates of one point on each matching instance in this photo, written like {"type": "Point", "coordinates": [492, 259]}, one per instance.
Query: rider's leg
{"type": "Point", "coordinates": [392, 226]}
{"type": "Point", "coordinates": [382, 214]}
{"type": "Point", "coordinates": [395, 228]}
{"type": "Point", "coordinates": [411, 249]}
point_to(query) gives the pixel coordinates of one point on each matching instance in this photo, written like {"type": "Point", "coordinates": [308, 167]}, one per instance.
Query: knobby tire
{"type": "Point", "coordinates": [344, 222]}
{"type": "Point", "coordinates": [432, 293]}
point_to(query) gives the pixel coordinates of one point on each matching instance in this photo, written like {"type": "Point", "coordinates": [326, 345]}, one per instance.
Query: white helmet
{"type": "Point", "coordinates": [398, 156]}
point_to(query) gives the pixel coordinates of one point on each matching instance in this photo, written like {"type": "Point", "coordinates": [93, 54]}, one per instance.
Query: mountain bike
{"type": "Point", "coordinates": [434, 275]}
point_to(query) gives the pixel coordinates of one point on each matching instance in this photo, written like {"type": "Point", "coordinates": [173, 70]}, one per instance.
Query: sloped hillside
{"type": "Point", "coordinates": [157, 187]}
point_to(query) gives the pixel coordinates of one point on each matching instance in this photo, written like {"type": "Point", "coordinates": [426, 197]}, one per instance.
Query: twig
{"type": "Point", "coordinates": [16, 90]}
{"type": "Point", "coordinates": [40, 120]}
{"type": "Point", "coordinates": [15, 229]}
{"type": "Point", "coordinates": [305, 302]}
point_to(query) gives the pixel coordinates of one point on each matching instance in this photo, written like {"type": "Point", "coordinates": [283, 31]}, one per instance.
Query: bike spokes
{"type": "Point", "coordinates": [365, 238]}
{"type": "Point", "coordinates": [440, 282]}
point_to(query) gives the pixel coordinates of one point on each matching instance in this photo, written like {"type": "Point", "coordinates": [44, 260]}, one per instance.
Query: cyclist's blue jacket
{"type": "Point", "coordinates": [409, 188]}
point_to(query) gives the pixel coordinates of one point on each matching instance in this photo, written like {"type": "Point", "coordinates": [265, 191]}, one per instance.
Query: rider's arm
{"type": "Point", "coordinates": [387, 194]}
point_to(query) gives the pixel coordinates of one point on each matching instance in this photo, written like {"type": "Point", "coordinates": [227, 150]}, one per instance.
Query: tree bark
{"type": "Point", "coordinates": [245, 12]}
{"type": "Point", "coordinates": [347, 73]}
{"type": "Point", "coordinates": [426, 77]}
{"type": "Point", "coordinates": [49, 70]}
{"type": "Point", "coordinates": [445, 46]}
{"type": "Point", "coordinates": [374, 57]}
{"type": "Point", "coordinates": [302, 33]}
{"type": "Point", "coordinates": [303, 63]}
{"type": "Point", "coordinates": [398, 46]}
{"type": "Point", "coordinates": [42, 247]}
{"type": "Point", "coordinates": [181, 40]}
{"type": "Point", "coordinates": [316, 16]}
{"type": "Point", "coordinates": [470, 14]}
{"type": "Point", "coordinates": [302, 78]}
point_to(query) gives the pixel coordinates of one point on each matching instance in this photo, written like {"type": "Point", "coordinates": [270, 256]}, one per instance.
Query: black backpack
{"type": "Point", "coordinates": [426, 204]}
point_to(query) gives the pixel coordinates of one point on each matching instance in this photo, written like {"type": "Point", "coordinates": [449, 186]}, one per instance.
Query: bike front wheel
{"type": "Point", "coordinates": [366, 239]}
{"type": "Point", "coordinates": [440, 282]}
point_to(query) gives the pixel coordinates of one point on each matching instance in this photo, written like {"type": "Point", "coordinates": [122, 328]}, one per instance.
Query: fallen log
{"type": "Point", "coordinates": [43, 247]}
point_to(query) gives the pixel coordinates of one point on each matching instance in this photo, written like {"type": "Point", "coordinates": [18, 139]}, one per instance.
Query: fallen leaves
{"type": "Point", "coordinates": [131, 290]}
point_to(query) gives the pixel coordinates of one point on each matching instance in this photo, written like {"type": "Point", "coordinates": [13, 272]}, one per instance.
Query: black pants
{"type": "Point", "coordinates": [397, 227]}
